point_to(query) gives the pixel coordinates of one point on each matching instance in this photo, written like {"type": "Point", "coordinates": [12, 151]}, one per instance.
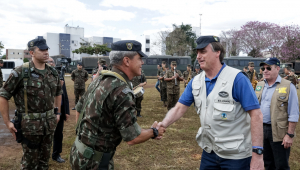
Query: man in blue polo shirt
{"type": "Point", "coordinates": [228, 135]}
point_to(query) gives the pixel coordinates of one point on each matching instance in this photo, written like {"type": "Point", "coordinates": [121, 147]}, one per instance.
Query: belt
{"type": "Point", "coordinates": [265, 124]}
{"type": "Point", "coordinates": [47, 114]}
{"type": "Point", "coordinates": [88, 152]}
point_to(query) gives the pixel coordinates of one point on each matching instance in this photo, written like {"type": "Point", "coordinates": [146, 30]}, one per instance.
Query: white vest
{"type": "Point", "coordinates": [225, 126]}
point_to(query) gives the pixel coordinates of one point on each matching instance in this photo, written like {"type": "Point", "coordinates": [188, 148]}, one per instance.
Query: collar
{"type": "Point", "coordinates": [33, 69]}
{"type": "Point", "coordinates": [277, 81]}
{"type": "Point", "coordinates": [215, 78]}
{"type": "Point", "coordinates": [121, 74]}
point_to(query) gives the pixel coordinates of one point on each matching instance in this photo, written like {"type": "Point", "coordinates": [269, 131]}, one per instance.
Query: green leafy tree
{"type": "Point", "coordinates": [4, 57]}
{"type": "Point", "coordinates": [1, 47]}
{"type": "Point", "coordinates": [95, 49]}
{"type": "Point", "coordinates": [25, 60]}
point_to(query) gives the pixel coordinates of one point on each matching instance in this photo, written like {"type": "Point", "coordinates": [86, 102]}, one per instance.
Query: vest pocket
{"type": "Point", "coordinates": [223, 112]}
{"type": "Point", "coordinates": [230, 144]}
{"type": "Point", "coordinates": [282, 128]}
{"type": "Point", "coordinates": [32, 126]}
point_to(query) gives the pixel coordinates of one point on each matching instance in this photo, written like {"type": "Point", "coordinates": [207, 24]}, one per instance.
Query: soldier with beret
{"type": "Point", "coordinates": [1, 75]}
{"type": "Point", "coordinates": [163, 83]}
{"type": "Point", "coordinates": [36, 90]}
{"type": "Point", "coordinates": [173, 84]}
{"type": "Point", "coordinates": [106, 115]}
{"type": "Point", "coordinates": [79, 76]}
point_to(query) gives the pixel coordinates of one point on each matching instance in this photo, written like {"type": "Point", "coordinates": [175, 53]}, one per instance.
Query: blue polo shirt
{"type": "Point", "coordinates": [242, 91]}
{"type": "Point", "coordinates": [265, 103]}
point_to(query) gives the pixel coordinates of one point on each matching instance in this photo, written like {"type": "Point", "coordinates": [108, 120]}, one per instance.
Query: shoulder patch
{"type": "Point", "coordinates": [127, 90]}
{"type": "Point", "coordinates": [14, 73]}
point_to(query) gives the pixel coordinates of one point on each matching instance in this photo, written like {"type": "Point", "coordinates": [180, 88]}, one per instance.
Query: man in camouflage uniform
{"type": "Point", "coordinates": [1, 75]}
{"type": "Point", "coordinates": [163, 84]}
{"type": "Point", "coordinates": [139, 81]}
{"type": "Point", "coordinates": [101, 63]}
{"type": "Point", "coordinates": [107, 112]}
{"type": "Point", "coordinates": [79, 76]}
{"type": "Point", "coordinates": [198, 70]}
{"type": "Point", "coordinates": [251, 71]}
{"type": "Point", "coordinates": [260, 76]}
{"type": "Point", "coordinates": [36, 89]}
{"type": "Point", "coordinates": [187, 75]}
{"type": "Point", "coordinates": [173, 90]}
{"type": "Point", "coordinates": [288, 74]}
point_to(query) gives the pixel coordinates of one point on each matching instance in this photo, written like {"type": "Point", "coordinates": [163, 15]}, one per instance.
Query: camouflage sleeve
{"type": "Point", "coordinates": [124, 113]}
{"type": "Point", "coordinates": [80, 103]}
{"type": "Point", "coordinates": [158, 72]}
{"type": "Point", "coordinates": [72, 75]}
{"type": "Point", "coordinates": [86, 75]}
{"type": "Point", "coordinates": [166, 75]}
{"type": "Point", "coordinates": [180, 74]}
{"type": "Point", "coordinates": [59, 90]}
{"type": "Point", "coordinates": [10, 85]}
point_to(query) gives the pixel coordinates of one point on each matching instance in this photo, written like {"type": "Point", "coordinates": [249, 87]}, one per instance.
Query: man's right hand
{"type": "Point", "coordinates": [12, 129]}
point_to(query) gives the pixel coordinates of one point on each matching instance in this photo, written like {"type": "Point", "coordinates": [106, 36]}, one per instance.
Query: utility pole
{"type": "Point", "coordinates": [200, 23]}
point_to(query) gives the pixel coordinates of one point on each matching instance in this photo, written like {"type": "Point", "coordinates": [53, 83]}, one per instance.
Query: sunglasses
{"type": "Point", "coordinates": [268, 68]}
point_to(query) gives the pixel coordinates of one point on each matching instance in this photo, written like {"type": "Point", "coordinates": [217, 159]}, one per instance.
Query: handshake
{"type": "Point", "coordinates": [160, 128]}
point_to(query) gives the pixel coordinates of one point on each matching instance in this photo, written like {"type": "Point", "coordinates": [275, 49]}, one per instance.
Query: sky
{"type": "Point", "coordinates": [23, 20]}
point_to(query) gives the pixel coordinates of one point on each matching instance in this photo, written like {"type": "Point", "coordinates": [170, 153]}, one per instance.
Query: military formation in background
{"type": "Point", "coordinates": [79, 76]}
{"type": "Point", "coordinates": [1, 75]}
{"type": "Point", "coordinates": [188, 75]}
{"type": "Point", "coordinates": [163, 83]}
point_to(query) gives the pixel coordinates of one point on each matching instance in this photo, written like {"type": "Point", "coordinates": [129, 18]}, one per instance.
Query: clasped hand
{"type": "Point", "coordinates": [161, 130]}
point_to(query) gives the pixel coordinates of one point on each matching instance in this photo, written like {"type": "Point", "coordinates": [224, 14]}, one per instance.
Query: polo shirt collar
{"type": "Point", "coordinates": [215, 78]}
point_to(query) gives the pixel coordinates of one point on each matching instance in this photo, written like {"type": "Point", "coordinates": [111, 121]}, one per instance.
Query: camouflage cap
{"type": "Point", "coordinates": [174, 62]}
{"type": "Point", "coordinates": [251, 64]}
{"type": "Point", "coordinates": [189, 65]}
{"type": "Point", "coordinates": [163, 62]}
{"type": "Point", "coordinates": [102, 61]}
{"type": "Point", "coordinates": [1, 61]}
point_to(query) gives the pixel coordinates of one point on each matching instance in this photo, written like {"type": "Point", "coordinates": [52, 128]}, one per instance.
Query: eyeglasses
{"type": "Point", "coordinates": [268, 68]}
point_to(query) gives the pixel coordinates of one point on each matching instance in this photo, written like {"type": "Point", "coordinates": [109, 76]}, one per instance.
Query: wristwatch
{"type": "Point", "coordinates": [259, 151]}
{"type": "Point", "coordinates": [155, 133]}
{"type": "Point", "coordinates": [290, 135]}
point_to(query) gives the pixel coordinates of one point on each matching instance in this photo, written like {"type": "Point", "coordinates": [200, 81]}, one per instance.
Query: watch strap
{"type": "Point", "coordinates": [155, 133]}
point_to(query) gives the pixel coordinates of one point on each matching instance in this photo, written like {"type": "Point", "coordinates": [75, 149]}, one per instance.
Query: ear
{"type": "Point", "coordinates": [31, 52]}
{"type": "Point", "coordinates": [126, 61]}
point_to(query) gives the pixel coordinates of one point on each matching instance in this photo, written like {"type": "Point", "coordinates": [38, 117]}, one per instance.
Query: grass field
{"type": "Point", "coordinates": [177, 150]}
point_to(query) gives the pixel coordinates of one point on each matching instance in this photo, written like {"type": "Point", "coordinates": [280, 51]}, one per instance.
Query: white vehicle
{"type": "Point", "coordinates": [9, 65]}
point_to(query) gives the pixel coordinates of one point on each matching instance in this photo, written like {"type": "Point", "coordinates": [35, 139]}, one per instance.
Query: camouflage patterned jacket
{"type": "Point", "coordinates": [79, 77]}
{"type": "Point", "coordinates": [159, 71]}
{"type": "Point", "coordinates": [1, 78]}
{"type": "Point", "coordinates": [109, 115]}
{"type": "Point", "coordinates": [250, 74]}
{"type": "Point", "coordinates": [171, 88]}
{"type": "Point", "coordinates": [163, 82]}
{"type": "Point", "coordinates": [138, 80]}
{"type": "Point", "coordinates": [186, 75]}
{"type": "Point", "coordinates": [42, 87]}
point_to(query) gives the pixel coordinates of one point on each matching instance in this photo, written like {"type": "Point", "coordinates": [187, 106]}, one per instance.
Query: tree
{"type": "Point", "coordinates": [95, 49]}
{"type": "Point", "coordinates": [4, 57]}
{"type": "Point", "coordinates": [160, 43]}
{"type": "Point", "coordinates": [290, 49]}
{"type": "Point", "coordinates": [230, 43]}
{"type": "Point", "coordinates": [1, 47]}
{"type": "Point", "coordinates": [25, 60]}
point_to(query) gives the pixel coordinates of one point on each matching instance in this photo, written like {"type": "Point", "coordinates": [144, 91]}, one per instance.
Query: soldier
{"type": "Point", "coordinates": [293, 73]}
{"type": "Point", "coordinates": [251, 72]}
{"type": "Point", "coordinates": [288, 74]}
{"type": "Point", "coordinates": [159, 69]}
{"type": "Point", "coordinates": [1, 76]}
{"type": "Point", "coordinates": [79, 76]}
{"type": "Point", "coordinates": [36, 89]}
{"type": "Point", "coordinates": [101, 63]}
{"type": "Point", "coordinates": [260, 76]}
{"type": "Point", "coordinates": [187, 75]}
{"type": "Point", "coordinates": [139, 81]}
{"type": "Point", "coordinates": [173, 84]}
{"type": "Point", "coordinates": [163, 84]}
{"type": "Point", "coordinates": [107, 114]}
{"type": "Point", "coordinates": [198, 70]}
{"type": "Point", "coordinates": [245, 69]}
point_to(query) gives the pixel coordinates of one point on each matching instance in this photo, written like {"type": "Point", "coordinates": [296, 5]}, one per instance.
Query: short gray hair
{"type": "Point", "coordinates": [216, 46]}
{"type": "Point", "coordinates": [116, 57]}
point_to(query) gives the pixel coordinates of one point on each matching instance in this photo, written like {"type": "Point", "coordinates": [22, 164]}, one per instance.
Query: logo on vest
{"type": "Point", "coordinates": [258, 88]}
{"type": "Point", "coordinates": [282, 90]}
{"type": "Point", "coordinates": [223, 94]}
{"type": "Point", "coordinates": [224, 116]}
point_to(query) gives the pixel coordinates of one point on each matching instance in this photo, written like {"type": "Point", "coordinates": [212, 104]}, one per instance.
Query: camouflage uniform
{"type": "Point", "coordinates": [250, 74]}
{"type": "Point", "coordinates": [290, 78]}
{"type": "Point", "coordinates": [79, 77]}
{"type": "Point", "coordinates": [1, 75]}
{"type": "Point", "coordinates": [135, 82]}
{"type": "Point", "coordinates": [172, 90]}
{"type": "Point", "coordinates": [259, 76]}
{"type": "Point", "coordinates": [40, 123]}
{"type": "Point", "coordinates": [108, 111]}
{"type": "Point", "coordinates": [186, 76]}
{"type": "Point", "coordinates": [163, 86]}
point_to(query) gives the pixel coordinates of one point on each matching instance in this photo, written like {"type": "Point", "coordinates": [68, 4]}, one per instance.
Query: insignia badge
{"type": "Point", "coordinates": [129, 46]}
{"type": "Point", "coordinates": [282, 90]}
{"type": "Point", "coordinates": [35, 75]}
{"type": "Point", "coordinates": [282, 97]}
{"type": "Point", "coordinates": [223, 94]}
{"type": "Point", "coordinates": [258, 88]}
{"type": "Point", "coordinates": [31, 44]}
{"type": "Point", "coordinates": [224, 116]}
{"type": "Point", "coordinates": [216, 38]}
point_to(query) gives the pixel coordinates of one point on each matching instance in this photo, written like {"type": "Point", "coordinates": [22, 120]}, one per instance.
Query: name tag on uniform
{"type": "Point", "coordinates": [282, 90]}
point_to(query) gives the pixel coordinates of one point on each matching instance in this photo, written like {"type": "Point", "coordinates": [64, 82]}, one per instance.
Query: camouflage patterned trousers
{"type": "Point", "coordinates": [138, 103]}
{"type": "Point", "coordinates": [37, 158]}
{"type": "Point", "coordinates": [78, 93]}
{"type": "Point", "coordinates": [163, 92]}
{"type": "Point", "coordinates": [78, 162]}
{"type": "Point", "coordinates": [172, 100]}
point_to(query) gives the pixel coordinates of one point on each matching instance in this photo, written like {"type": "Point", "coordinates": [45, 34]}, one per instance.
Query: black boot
{"type": "Point", "coordinates": [58, 159]}
{"type": "Point", "coordinates": [138, 114]}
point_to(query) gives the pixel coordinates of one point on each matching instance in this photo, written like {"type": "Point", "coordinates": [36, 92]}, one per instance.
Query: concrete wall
{"type": "Point", "coordinates": [15, 54]}
{"type": "Point", "coordinates": [74, 30]}
{"type": "Point", "coordinates": [64, 41]}
{"type": "Point", "coordinates": [52, 40]}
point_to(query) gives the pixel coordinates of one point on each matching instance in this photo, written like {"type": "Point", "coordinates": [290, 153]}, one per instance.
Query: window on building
{"type": "Point", "coordinates": [13, 53]}
{"type": "Point", "coordinates": [147, 41]}
{"type": "Point", "coordinates": [233, 62]}
{"type": "Point", "coordinates": [244, 62]}
{"type": "Point", "coordinates": [8, 65]}
{"type": "Point", "coordinates": [147, 49]}
{"type": "Point", "coordinates": [152, 61]}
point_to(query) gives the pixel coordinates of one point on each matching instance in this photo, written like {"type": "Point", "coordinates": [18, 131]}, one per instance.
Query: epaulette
{"type": "Point", "coordinates": [127, 90]}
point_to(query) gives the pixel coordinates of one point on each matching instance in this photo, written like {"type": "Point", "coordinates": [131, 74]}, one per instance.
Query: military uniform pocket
{"type": "Point", "coordinates": [53, 85]}
{"type": "Point", "coordinates": [32, 127]}
{"type": "Point", "coordinates": [52, 123]}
